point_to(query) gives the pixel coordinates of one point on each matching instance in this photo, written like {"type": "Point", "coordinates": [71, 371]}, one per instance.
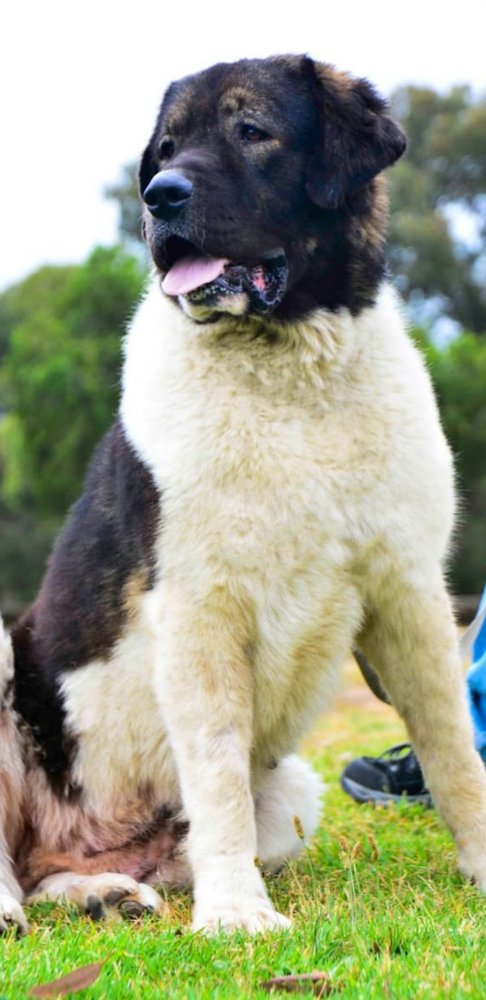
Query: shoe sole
{"type": "Point", "coordinates": [362, 794]}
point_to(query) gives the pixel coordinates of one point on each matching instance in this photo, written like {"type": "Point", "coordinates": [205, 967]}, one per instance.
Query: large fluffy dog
{"type": "Point", "coordinates": [275, 489]}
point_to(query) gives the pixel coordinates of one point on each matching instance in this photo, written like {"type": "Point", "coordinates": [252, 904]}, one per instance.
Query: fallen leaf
{"type": "Point", "coordinates": [318, 981]}
{"type": "Point", "coordinates": [76, 980]}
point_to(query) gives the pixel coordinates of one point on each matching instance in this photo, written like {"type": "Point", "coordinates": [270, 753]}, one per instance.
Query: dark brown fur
{"type": "Point", "coordinates": [104, 553]}
{"type": "Point", "coordinates": [315, 184]}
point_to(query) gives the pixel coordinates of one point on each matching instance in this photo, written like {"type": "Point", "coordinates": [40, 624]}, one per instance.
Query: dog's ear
{"type": "Point", "coordinates": [358, 138]}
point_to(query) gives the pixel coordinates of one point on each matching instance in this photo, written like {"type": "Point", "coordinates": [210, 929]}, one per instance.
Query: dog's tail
{"type": "Point", "coordinates": [6, 657]}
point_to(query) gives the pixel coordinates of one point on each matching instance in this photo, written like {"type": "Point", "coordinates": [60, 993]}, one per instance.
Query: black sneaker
{"type": "Point", "coordinates": [394, 776]}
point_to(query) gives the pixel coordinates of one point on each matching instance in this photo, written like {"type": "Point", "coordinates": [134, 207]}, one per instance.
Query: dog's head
{"type": "Point", "coordinates": [261, 192]}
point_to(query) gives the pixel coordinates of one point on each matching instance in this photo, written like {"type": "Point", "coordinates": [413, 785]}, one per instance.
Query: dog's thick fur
{"type": "Point", "coordinates": [276, 490]}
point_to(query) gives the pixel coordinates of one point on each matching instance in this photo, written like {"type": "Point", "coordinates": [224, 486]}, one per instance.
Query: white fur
{"type": "Point", "coordinates": [291, 792]}
{"type": "Point", "coordinates": [6, 658]}
{"type": "Point", "coordinates": [307, 500]}
{"type": "Point", "coordinates": [117, 697]}
{"type": "Point", "coordinates": [110, 888]}
{"type": "Point", "coordinates": [12, 915]}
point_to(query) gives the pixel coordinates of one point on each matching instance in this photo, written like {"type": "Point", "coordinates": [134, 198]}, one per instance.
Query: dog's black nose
{"type": "Point", "coordinates": [167, 194]}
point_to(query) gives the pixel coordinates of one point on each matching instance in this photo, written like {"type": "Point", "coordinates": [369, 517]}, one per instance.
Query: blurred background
{"type": "Point", "coordinates": [80, 89]}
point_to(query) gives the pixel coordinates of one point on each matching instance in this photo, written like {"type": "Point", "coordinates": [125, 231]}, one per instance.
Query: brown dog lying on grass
{"type": "Point", "coordinates": [275, 490]}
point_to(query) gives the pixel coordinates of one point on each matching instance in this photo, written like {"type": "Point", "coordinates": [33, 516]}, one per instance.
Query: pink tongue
{"type": "Point", "coordinates": [189, 273]}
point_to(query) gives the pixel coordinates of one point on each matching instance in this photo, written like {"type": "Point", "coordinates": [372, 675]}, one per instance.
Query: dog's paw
{"type": "Point", "coordinates": [253, 916]}
{"type": "Point", "coordinates": [100, 896]}
{"type": "Point", "coordinates": [12, 916]}
{"type": "Point", "coordinates": [473, 867]}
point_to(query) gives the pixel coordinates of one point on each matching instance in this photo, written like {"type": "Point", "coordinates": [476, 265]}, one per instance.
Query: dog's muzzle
{"type": "Point", "coordinates": [203, 283]}
{"type": "Point", "coordinates": [167, 194]}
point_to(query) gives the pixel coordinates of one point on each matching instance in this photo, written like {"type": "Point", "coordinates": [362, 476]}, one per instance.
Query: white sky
{"type": "Point", "coordinates": [80, 84]}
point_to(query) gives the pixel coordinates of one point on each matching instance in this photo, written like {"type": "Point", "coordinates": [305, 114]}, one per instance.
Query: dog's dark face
{"type": "Point", "coordinates": [259, 189]}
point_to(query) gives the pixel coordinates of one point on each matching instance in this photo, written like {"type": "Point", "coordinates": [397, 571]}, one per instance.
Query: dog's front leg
{"type": "Point", "coordinates": [204, 684]}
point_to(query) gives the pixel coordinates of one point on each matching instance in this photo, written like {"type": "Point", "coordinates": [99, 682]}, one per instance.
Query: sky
{"type": "Point", "coordinates": [80, 84]}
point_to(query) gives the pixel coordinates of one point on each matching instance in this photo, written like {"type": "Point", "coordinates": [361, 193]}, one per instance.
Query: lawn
{"type": "Point", "coordinates": [376, 904]}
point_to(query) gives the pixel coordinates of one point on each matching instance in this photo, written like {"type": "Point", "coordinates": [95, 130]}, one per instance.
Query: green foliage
{"type": "Point", "coordinates": [60, 375]}
{"type": "Point", "coordinates": [34, 294]}
{"type": "Point", "coordinates": [60, 337]}
{"type": "Point", "coordinates": [459, 375]}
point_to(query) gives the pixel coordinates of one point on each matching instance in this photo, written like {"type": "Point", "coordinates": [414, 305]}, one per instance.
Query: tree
{"type": "Point", "coordinates": [437, 191]}
{"type": "Point", "coordinates": [34, 294]}
{"type": "Point", "coordinates": [60, 374]}
{"type": "Point", "coordinates": [459, 375]}
{"type": "Point", "coordinates": [61, 335]}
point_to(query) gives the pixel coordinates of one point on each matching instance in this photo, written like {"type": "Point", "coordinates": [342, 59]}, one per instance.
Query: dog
{"type": "Point", "coordinates": [275, 490]}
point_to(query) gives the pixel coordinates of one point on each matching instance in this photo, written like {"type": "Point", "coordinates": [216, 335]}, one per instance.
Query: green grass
{"type": "Point", "coordinates": [376, 903]}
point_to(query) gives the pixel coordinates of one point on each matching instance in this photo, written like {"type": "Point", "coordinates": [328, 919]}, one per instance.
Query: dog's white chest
{"type": "Point", "coordinates": [255, 475]}
{"type": "Point", "coordinates": [246, 457]}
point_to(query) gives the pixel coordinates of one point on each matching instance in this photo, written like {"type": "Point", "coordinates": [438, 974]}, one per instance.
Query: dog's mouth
{"type": "Point", "coordinates": [217, 282]}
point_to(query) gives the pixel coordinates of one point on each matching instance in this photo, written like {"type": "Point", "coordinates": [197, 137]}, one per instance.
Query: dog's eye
{"type": "Point", "coordinates": [166, 149]}
{"type": "Point", "coordinates": [250, 133]}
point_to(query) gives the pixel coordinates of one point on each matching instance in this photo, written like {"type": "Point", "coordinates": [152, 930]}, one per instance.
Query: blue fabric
{"type": "Point", "coordinates": [476, 686]}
